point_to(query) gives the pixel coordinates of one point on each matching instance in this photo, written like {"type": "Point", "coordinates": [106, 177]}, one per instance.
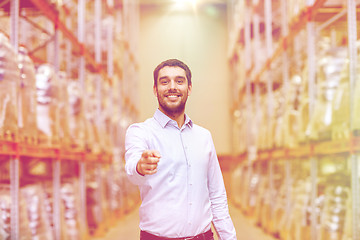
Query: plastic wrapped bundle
{"type": "Point", "coordinates": [300, 220]}
{"type": "Point", "coordinates": [279, 209]}
{"type": "Point", "coordinates": [260, 202]}
{"type": "Point", "coordinates": [330, 68]}
{"type": "Point", "coordinates": [348, 220]}
{"type": "Point", "coordinates": [76, 116]}
{"type": "Point", "coordinates": [9, 82]}
{"type": "Point", "coordinates": [34, 199]}
{"type": "Point", "coordinates": [97, 200]}
{"type": "Point", "coordinates": [107, 123]}
{"type": "Point", "coordinates": [356, 101]}
{"type": "Point", "coordinates": [93, 206]}
{"type": "Point", "coordinates": [92, 133]}
{"type": "Point", "coordinates": [292, 123]}
{"type": "Point", "coordinates": [279, 112]}
{"type": "Point", "coordinates": [334, 213]}
{"type": "Point", "coordinates": [64, 131]}
{"type": "Point", "coordinates": [341, 108]}
{"type": "Point", "coordinates": [27, 98]}
{"type": "Point", "coordinates": [48, 204]}
{"type": "Point", "coordinates": [71, 201]}
{"type": "Point", "coordinates": [5, 216]}
{"type": "Point", "coordinates": [47, 105]}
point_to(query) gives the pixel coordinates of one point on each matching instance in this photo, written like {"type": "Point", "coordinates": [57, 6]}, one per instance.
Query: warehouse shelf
{"type": "Point", "coordinates": [307, 150]}
{"type": "Point", "coordinates": [55, 162]}
{"type": "Point", "coordinates": [295, 156]}
{"type": "Point", "coordinates": [296, 24]}
{"type": "Point", "coordinates": [49, 11]}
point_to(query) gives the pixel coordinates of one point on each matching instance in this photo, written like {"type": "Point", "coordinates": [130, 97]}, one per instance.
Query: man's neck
{"type": "Point", "coordinates": [178, 117]}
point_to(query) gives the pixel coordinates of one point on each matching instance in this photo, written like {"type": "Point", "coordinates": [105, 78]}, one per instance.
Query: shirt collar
{"type": "Point", "coordinates": [163, 120]}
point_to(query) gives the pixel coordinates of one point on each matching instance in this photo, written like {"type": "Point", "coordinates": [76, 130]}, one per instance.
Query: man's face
{"type": "Point", "coordinates": [172, 90]}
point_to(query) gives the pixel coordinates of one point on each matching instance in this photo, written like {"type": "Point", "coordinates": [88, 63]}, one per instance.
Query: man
{"type": "Point", "coordinates": [174, 163]}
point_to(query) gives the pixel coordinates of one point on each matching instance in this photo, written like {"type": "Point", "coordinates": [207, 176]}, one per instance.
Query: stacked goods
{"type": "Point", "coordinates": [9, 83]}
{"type": "Point", "coordinates": [5, 215]}
{"type": "Point", "coordinates": [36, 213]}
{"type": "Point", "coordinates": [262, 139]}
{"type": "Point", "coordinates": [334, 212]}
{"type": "Point", "coordinates": [47, 92]}
{"type": "Point", "coordinates": [92, 137]}
{"type": "Point", "coordinates": [107, 123]}
{"type": "Point", "coordinates": [93, 206]}
{"type": "Point", "coordinates": [356, 101]}
{"type": "Point", "coordinates": [96, 194]}
{"type": "Point", "coordinates": [76, 119]}
{"type": "Point", "coordinates": [63, 105]}
{"type": "Point", "coordinates": [299, 224]}
{"type": "Point", "coordinates": [296, 95]}
{"type": "Point", "coordinates": [331, 65]}
{"type": "Point", "coordinates": [71, 225]}
{"type": "Point", "coordinates": [71, 202]}
{"type": "Point", "coordinates": [27, 98]}
{"type": "Point", "coordinates": [348, 220]}
{"type": "Point", "coordinates": [48, 204]}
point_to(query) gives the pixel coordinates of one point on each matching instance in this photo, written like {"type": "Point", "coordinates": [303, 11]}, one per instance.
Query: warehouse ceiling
{"type": "Point", "coordinates": [171, 1]}
{"type": "Point", "coordinates": [166, 2]}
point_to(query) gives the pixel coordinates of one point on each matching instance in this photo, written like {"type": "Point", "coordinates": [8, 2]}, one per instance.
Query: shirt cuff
{"type": "Point", "coordinates": [134, 176]}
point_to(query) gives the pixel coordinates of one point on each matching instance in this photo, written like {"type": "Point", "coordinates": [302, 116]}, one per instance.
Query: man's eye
{"type": "Point", "coordinates": [180, 81]}
{"type": "Point", "coordinates": [164, 82]}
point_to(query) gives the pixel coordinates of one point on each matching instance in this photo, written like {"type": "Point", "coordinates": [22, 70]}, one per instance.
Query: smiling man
{"type": "Point", "coordinates": [174, 163]}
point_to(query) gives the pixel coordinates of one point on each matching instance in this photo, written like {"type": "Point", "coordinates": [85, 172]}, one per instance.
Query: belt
{"type": "Point", "coordinates": [203, 236]}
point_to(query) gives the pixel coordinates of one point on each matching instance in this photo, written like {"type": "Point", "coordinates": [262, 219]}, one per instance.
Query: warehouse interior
{"type": "Point", "coordinates": [275, 81]}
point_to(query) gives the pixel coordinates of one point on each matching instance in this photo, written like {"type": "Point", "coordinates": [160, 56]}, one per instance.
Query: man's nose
{"type": "Point", "coordinates": [172, 85]}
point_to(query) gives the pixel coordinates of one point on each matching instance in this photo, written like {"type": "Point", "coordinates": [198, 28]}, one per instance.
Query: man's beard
{"type": "Point", "coordinates": [172, 110]}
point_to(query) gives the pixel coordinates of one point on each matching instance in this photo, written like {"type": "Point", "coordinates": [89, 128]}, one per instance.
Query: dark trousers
{"type": "Point", "coordinates": [204, 236]}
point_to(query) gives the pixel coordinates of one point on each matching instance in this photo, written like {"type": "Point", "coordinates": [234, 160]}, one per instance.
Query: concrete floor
{"type": "Point", "coordinates": [127, 227]}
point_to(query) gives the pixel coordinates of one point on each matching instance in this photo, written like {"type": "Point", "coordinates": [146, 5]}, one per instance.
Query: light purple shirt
{"type": "Point", "coordinates": [187, 193]}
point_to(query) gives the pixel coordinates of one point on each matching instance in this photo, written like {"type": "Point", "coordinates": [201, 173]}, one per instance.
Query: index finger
{"type": "Point", "coordinates": [151, 153]}
{"type": "Point", "coordinates": [155, 153]}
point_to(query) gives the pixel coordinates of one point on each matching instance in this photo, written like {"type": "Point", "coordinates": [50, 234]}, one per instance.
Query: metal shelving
{"type": "Point", "coordinates": [279, 37]}
{"type": "Point", "coordinates": [109, 74]}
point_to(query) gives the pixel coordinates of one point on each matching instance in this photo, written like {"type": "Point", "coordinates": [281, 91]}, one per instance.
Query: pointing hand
{"type": "Point", "coordinates": [147, 165]}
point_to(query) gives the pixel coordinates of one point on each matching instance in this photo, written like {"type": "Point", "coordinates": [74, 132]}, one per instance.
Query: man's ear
{"type": "Point", "coordinates": [189, 89]}
{"type": "Point", "coordinates": [154, 91]}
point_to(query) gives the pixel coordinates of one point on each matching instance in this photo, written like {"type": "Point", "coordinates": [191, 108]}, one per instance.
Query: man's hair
{"type": "Point", "coordinates": [172, 63]}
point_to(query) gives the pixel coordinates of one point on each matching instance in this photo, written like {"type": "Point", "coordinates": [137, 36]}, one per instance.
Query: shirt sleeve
{"type": "Point", "coordinates": [135, 144]}
{"type": "Point", "coordinates": [219, 205]}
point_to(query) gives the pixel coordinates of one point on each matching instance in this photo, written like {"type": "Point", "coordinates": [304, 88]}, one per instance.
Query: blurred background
{"type": "Point", "coordinates": [276, 83]}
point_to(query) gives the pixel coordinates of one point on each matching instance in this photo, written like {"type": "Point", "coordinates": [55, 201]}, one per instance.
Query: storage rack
{"type": "Point", "coordinates": [122, 75]}
{"type": "Point", "coordinates": [268, 26]}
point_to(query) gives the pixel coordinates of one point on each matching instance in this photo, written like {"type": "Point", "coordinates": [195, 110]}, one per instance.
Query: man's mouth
{"type": "Point", "coordinates": [172, 95]}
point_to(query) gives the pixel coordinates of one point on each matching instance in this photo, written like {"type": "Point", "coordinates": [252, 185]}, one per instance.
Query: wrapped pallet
{"type": "Point", "coordinates": [64, 131]}
{"type": "Point", "coordinates": [27, 98]}
{"type": "Point", "coordinates": [9, 82]}
{"type": "Point", "coordinates": [92, 135]}
{"type": "Point", "coordinates": [34, 203]}
{"type": "Point", "coordinates": [47, 93]}
{"type": "Point", "coordinates": [70, 196]}
{"type": "Point", "coordinates": [76, 115]}
{"type": "Point", "coordinates": [5, 215]}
